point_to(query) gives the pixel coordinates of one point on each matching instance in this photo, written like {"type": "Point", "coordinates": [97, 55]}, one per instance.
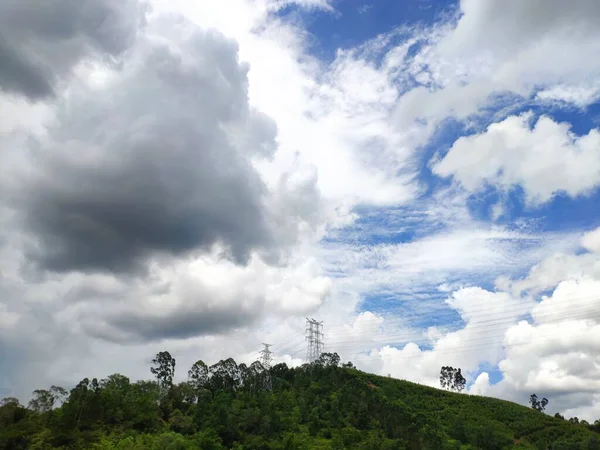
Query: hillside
{"type": "Point", "coordinates": [319, 406]}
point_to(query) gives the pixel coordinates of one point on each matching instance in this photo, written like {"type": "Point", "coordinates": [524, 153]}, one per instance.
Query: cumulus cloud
{"type": "Point", "coordinates": [488, 51]}
{"type": "Point", "coordinates": [556, 356]}
{"type": "Point", "coordinates": [41, 44]}
{"type": "Point", "coordinates": [203, 297]}
{"type": "Point", "coordinates": [554, 353]}
{"type": "Point", "coordinates": [481, 384]}
{"type": "Point", "coordinates": [520, 46]}
{"type": "Point", "coordinates": [156, 160]}
{"type": "Point", "coordinates": [506, 26]}
{"type": "Point", "coordinates": [591, 241]}
{"type": "Point", "coordinates": [544, 160]}
{"type": "Point", "coordinates": [486, 316]}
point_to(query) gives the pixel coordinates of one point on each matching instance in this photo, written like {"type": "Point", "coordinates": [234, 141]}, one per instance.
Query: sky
{"type": "Point", "coordinates": [199, 177]}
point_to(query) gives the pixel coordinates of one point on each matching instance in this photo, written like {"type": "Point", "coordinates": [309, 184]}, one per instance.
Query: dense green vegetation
{"type": "Point", "coordinates": [320, 406]}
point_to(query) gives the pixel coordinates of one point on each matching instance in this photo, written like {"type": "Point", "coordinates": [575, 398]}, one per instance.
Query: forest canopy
{"type": "Point", "coordinates": [324, 405]}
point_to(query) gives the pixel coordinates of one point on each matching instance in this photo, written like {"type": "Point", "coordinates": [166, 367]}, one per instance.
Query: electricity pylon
{"type": "Point", "coordinates": [266, 360]}
{"type": "Point", "coordinates": [314, 337]}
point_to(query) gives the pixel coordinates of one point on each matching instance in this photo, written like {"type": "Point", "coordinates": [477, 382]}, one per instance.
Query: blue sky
{"type": "Point", "coordinates": [420, 175]}
{"type": "Point", "coordinates": [355, 22]}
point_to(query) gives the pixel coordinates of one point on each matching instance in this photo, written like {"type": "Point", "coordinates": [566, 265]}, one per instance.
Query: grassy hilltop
{"type": "Point", "coordinates": [319, 406]}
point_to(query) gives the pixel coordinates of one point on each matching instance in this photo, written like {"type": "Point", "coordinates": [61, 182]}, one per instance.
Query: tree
{"type": "Point", "coordinates": [256, 376]}
{"type": "Point", "coordinates": [593, 443]}
{"type": "Point", "coordinates": [452, 379]}
{"type": "Point", "coordinates": [164, 369]}
{"type": "Point", "coordinates": [538, 405]}
{"type": "Point", "coordinates": [198, 375]}
{"type": "Point", "coordinates": [42, 401]}
{"type": "Point", "coordinates": [10, 401]}
{"type": "Point", "coordinates": [224, 375]}
{"type": "Point", "coordinates": [282, 372]}
{"type": "Point", "coordinates": [60, 394]}
{"type": "Point", "coordinates": [11, 411]}
{"type": "Point", "coordinates": [329, 359]}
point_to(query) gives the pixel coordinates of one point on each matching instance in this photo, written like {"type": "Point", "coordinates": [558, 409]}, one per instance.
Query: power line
{"type": "Point", "coordinates": [486, 321]}
{"type": "Point", "coordinates": [494, 337]}
{"type": "Point", "coordinates": [471, 348]}
{"type": "Point", "coordinates": [453, 311]}
{"type": "Point", "coordinates": [494, 325]}
{"type": "Point", "coordinates": [478, 323]}
{"type": "Point", "coordinates": [406, 336]}
{"type": "Point", "coordinates": [481, 343]}
{"type": "Point", "coordinates": [514, 310]}
{"type": "Point", "coordinates": [462, 349]}
{"type": "Point", "coordinates": [508, 315]}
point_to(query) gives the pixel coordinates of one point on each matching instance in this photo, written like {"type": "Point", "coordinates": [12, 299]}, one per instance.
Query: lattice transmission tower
{"type": "Point", "coordinates": [266, 359]}
{"type": "Point", "coordinates": [314, 337]}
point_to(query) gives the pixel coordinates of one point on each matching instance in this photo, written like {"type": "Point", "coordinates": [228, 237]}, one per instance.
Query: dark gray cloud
{"type": "Point", "coordinates": [191, 320]}
{"type": "Point", "coordinates": [41, 41]}
{"type": "Point", "coordinates": [154, 161]}
{"type": "Point", "coordinates": [30, 335]}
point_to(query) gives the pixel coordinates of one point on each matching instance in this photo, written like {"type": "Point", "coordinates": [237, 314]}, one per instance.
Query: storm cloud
{"type": "Point", "coordinates": [155, 160]}
{"type": "Point", "coordinates": [41, 42]}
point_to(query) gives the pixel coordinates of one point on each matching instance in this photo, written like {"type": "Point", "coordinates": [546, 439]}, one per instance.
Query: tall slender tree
{"type": "Point", "coordinates": [163, 369]}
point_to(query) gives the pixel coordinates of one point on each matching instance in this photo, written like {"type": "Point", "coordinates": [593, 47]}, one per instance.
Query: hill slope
{"type": "Point", "coordinates": [320, 406]}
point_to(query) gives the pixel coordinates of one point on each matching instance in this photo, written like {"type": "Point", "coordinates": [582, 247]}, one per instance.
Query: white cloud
{"type": "Point", "coordinates": [555, 354]}
{"type": "Point", "coordinates": [558, 360]}
{"type": "Point", "coordinates": [364, 8]}
{"type": "Point", "coordinates": [557, 267]}
{"type": "Point", "coordinates": [205, 296]}
{"type": "Point", "coordinates": [522, 45]}
{"type": "Point", "coordinates": [481, 384]}
{"type": "Point", "coordinates": [486, 317]}
{"type": "Point", "coordinates": [462, 252]}
{"type": "Point", "coordinates": [552, 270]}
{"type": "Point", "coordinates": [578, 95]}
{"type": "Point", "coordinates": [491, 48]}
{"type": "Point", "coordinates": [544, 160]}
{"type": "Point", "coordinates": [591, 241]}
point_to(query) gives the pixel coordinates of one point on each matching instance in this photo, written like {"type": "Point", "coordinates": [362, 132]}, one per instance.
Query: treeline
{"type": "Point", "coordinates": [325, 405]}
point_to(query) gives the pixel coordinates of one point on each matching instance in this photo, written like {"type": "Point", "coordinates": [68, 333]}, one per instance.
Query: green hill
{"type": "Point", "coordinates": [319, 406]}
